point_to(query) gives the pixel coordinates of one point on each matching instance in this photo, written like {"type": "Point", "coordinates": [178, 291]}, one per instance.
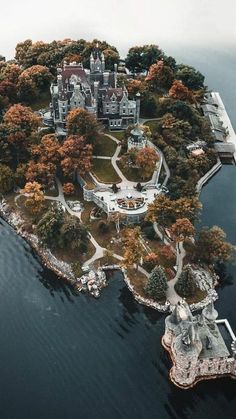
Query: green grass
{"type": "Point", "coordinates": [104, 171]}
{"type": "Point", "coordinates": [131, 173]}
{"type": "Point", "coordinates": [104, 146]}
{"type": "Point", "coordinates": [119, 135]}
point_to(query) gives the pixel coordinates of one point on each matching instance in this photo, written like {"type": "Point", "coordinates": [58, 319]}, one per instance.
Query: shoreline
{"type": "Point", "coordinates": [63, 270]}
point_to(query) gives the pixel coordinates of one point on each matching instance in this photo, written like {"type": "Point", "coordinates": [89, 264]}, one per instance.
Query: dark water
{"type": "Point", "coordinates": [66, 356]}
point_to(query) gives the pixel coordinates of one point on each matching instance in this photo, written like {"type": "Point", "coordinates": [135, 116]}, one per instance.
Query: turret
{"type": "Point", "coordinates": [210, 313]}
{"type": "Point", "coordinates": [59, 83]}
{"type": "Point", "coordinates": [92, 63]}
{"type": "Point", "coordinates": [103, 62]}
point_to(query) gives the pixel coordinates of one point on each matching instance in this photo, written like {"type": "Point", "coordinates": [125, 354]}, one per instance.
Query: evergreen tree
{"type": "Point", "coordinates": [185, 286]}
{"type": "Point", "coordinates": [157, 284]}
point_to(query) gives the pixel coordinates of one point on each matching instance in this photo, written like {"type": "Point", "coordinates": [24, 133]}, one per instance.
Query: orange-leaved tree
{"type": "Point", "coordinates": [76, 155]}
{"type": "Point", "coordinates": [34, 195]}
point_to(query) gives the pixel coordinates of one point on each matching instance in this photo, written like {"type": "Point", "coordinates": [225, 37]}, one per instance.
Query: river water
{"type": "Point", "coordinates": [66, 356]}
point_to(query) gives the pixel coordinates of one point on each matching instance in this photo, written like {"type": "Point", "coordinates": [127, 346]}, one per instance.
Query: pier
{"type": "Point", "coordinates": [221, 126]}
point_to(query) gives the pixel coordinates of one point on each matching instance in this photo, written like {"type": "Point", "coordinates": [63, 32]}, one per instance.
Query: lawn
{"type": "Point", "coordinates": [131, 173]}
{"type": "Point", "coordinates": [119, 135]}
{"type": "Point", "coordinates": [104, 146]}
{"type": "Point", "coordinates": [104, 171]}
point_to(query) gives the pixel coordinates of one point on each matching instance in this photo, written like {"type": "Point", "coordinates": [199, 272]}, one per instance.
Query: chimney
{"type": "Point", "coordinates": [106, 78]}
{"type": "Point", "coordinates": [96, 84]}
{"type": "Point", "coordinates": [59, 82]}
{"type": "Point", "coordinates": [137, 116]}
{"type": "Point", "coordinates": [115, 74]}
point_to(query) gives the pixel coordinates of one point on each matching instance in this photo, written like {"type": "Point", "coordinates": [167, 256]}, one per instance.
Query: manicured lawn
{"type": "Point", "coordinates": [104, 171]}
{"type": "Point", "coordinates": [104, 146]}
{"type": "Point", "coordinates": [119, 135]}
{"type": "Point", "coordinates": [132, 174]}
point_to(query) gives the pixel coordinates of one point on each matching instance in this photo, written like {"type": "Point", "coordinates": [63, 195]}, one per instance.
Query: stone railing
{"type": "Point", "coordinates": [204, 179]}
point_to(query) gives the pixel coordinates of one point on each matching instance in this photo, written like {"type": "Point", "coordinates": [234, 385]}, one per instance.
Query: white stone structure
{"type": "Point", "coordinates": [197, 347]}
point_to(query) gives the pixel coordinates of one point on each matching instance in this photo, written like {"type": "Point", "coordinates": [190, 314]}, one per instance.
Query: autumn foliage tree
{"type": "Point", "coordinates": [82, 123]}
{"type": "Point", "coordinates": [212, 247]}
{"type": "Point", "coordinates": [33, 81]}
{"type": "Point", "coordinates": [182, 229]}
{"type": "Point", "coordinates": [41, 172]}
{"type": "Point", "coordinates": [47, 150]}
{"type": "Point", "coordinates": [180, 92]}
{"type": "Point", "coordinates": [132, 245]}
{"type": "Point", "coordinates": [146, 160]}
{"type": "Point", "coordinates": [68, 189]}
{"type": "Point", "coordinates": [21, 122]}
{"type": "Point", "coordinates": [160, 76]}
{"type": "Point", "coordinates": [75, 155]}
{"type": "Point", "coordinates": [35, 197]}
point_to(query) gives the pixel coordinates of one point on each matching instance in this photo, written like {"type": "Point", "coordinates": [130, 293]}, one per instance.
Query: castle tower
{"type": "Point", "coordinates": [103, 62]}
{"type": "Point", "coordinates": [92, 63]}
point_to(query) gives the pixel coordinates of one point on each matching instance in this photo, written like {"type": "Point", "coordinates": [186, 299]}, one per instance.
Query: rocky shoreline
{"type": "Point", "coordinates": [48, 260]}
{"type": "Point", "coordinates": [64, 271]}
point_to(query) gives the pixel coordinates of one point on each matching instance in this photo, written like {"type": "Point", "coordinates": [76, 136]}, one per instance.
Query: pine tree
{"type": "Point", "coordinates": [157, 284]}
{"type": "Point", "coordinates": [185, 286]}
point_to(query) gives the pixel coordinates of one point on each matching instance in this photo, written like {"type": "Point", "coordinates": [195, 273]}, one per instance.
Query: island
{"type": "Point", "coordinates": [102, 161]}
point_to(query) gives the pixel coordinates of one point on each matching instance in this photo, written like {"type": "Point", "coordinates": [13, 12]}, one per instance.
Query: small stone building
{"type": "Point", "coordinates": [200, 346]}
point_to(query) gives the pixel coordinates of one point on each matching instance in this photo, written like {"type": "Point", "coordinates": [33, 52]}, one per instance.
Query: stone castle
{"type": "Point", "coordinates": [93, 89]}
{"type": "Point", "coordinates": [200, 346]}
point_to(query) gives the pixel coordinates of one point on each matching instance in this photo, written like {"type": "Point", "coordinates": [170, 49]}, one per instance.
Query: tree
{"type": "Point", "coordinates": [157, 284]}
{"type": "Point", "coordinates": [73, 234]}
{"type": "Point", "coordinates": [35, 197]}
{"type": "Point", "coordinates": [150, 261]}
{"type": "Point", "coordinates": [160, 76]}
{"type": "Point", "coordinates": [140, 58]}
{"type": "Point", "coordinates": [21, 122]}
{"type": "Point", "coordinates": [76, 155]}
{"type": "Point", "coordinates": [212, 247]}
{"type": "Point", "coordinates": [187, 208]}
{"type": "Point", "coordinates": [82, 123]}
{"type": "Point", "coordinates": [43, 173]}
{"type": "Point", "coordinates": [185, 285]}
{"type": "Point", "coordinates": [161, 210]}
{"type": "Point", "coordinates": [135, 86]}
{"type": "Point", "coordinates": [192, 78]}
{"type": "Point", "coordinates": [166, 256]}
{"type": "Point", "coordinates": [6, 179]}
{"type": "Point", "coordinates": [48, 149]}
{"type": "Point", "coordinates": [49, 226]}
{"type": "Point", "coordinates": [132, 245]}
{"type": "Point", "coordinates": [68, 189]}
{"type": "Point", "coordinates": [111, 58]}
{"type": "Point", "coordinates": [180, 92]}
{"type": "Point", "coordinates": [166, 211]}
{"type": "Point", "coordinates": [146, 160]}
{"type": "Point", "coordinates": [33, 81]}
{"type": "Point", "coordinates": [182, 229]}
{"type": "Point", "coordinates": [117, 218]}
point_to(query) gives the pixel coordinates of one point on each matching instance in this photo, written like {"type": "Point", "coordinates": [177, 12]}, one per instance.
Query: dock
{"type": "Point", "coordinates": [221, 125]}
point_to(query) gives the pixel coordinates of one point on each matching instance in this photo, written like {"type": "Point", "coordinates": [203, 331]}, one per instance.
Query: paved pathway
{"type": "Point", "coordinates": [171, 294]}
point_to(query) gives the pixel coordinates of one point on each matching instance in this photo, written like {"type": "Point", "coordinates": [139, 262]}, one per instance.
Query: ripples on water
{"type": "Point", "coordinates": [69, 356]}
{"type": "Point", "coordinates": [64, 356]}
